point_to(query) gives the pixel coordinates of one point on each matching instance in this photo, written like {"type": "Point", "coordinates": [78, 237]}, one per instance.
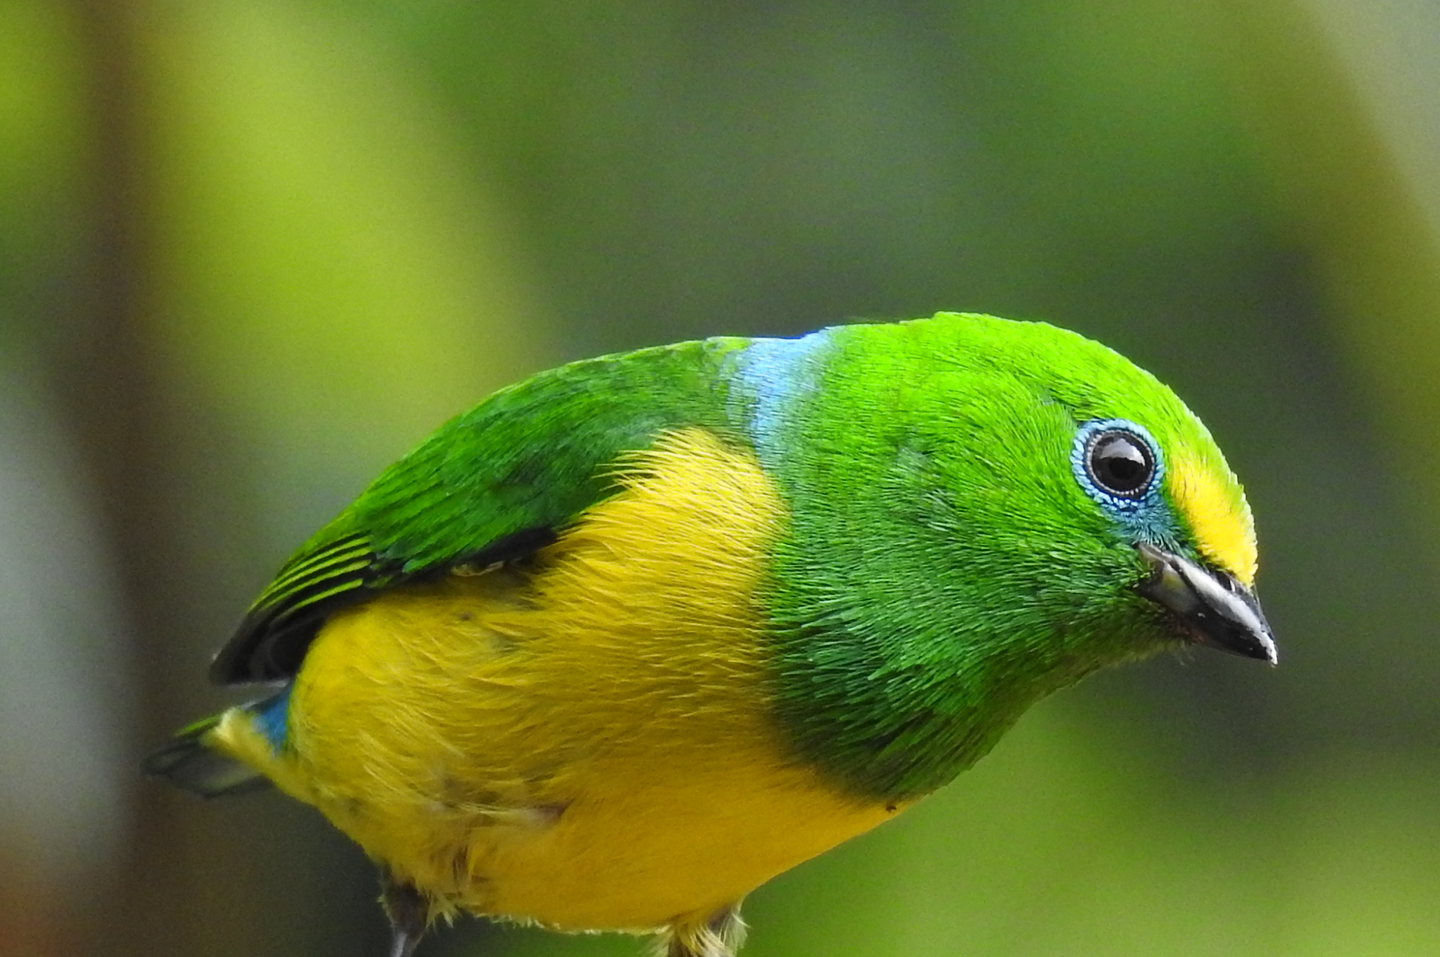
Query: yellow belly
{"type": "Point", "coordinates": [586, 743]}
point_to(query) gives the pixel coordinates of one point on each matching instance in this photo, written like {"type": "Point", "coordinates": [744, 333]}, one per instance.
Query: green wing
{"type": "Point", "coordinates": [495, 484]}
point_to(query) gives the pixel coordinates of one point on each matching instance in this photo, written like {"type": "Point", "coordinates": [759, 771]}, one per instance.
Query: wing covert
{"type": "Point", "coordinates": [494, 484]}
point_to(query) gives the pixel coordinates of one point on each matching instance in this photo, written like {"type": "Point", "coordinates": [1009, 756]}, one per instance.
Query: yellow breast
{"type": "Point", "coordinates": [586, 742]}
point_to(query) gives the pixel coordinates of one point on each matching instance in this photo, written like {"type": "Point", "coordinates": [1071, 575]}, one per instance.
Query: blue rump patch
{"type": "Point", "coordinates": [272, 717]}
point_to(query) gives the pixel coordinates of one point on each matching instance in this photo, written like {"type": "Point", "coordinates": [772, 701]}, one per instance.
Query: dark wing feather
{"type": "Point", "coordinates": [274, 635]}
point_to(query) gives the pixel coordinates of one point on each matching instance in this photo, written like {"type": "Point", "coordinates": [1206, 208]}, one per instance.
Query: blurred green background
{"type": "Point", "coordinates": [252, 251]}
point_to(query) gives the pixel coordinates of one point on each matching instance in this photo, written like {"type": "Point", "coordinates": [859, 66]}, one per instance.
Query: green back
{"type": "Point", "coordinates": [492, 484]}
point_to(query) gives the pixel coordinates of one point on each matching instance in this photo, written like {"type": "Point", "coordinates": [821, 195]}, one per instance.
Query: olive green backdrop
{"type": "Point", "coordinates": [251, 251]}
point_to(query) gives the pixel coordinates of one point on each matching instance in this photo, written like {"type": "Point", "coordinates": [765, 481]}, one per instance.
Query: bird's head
{"type": "Point", "coordinates": [982, 512]}
{"type": "Point", "coordinates": [1095, 485]}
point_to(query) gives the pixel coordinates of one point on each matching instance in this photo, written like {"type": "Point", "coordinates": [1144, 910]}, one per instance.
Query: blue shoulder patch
{"type": "Point", "coordinates": [771, 375]}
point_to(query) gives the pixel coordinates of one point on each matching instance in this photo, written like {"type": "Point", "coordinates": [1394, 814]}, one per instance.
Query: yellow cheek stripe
{"type": "Point", "coordinates": [1218, 515]}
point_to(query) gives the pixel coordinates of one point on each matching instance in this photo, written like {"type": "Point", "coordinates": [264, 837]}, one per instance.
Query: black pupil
{"type": "Point", "coordinates": [1120, 463]}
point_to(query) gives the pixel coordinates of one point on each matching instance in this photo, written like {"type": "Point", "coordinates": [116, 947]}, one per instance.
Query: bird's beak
{"type": "Point", "coordinates": [1213, 607]}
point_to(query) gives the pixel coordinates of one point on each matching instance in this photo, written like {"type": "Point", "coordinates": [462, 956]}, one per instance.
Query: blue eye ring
{"type": "Point", "coordinates": [1117, 463]}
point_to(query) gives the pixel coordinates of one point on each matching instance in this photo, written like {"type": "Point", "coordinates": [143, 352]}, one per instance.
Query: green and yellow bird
{"type": "Point", "coordinates": [632, 637]}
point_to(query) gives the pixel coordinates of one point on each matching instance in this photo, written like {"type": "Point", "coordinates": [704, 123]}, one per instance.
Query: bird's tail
{"type": "Point", "coordinates": [194, 761]}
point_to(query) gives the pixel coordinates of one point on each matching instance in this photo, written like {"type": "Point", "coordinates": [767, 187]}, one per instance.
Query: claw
{"type": "Point", "coordinates": [409, 914]}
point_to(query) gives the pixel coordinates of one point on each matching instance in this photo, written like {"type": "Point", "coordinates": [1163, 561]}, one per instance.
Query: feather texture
{"type": "Point", "coordinates": [634, 635]}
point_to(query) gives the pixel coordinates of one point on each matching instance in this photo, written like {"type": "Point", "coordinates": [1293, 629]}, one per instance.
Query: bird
{"type": "Point", "coordinates": [638, 633]}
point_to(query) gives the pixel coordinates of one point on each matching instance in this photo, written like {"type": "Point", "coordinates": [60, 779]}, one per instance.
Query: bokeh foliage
{"type": "Point", "coordinates": [251, 251]}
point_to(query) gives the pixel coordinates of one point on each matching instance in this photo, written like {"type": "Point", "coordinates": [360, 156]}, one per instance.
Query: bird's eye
{"type": "Point", "coordinates": [1117, 462]}
{"type": "Point", "coordinates": [1120, 463]}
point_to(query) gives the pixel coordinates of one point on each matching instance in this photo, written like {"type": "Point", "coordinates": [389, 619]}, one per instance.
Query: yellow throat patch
{"type": "Point", "coordinates": [583, 740]}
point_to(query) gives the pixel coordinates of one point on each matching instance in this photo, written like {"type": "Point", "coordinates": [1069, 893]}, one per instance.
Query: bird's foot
{"type": "Point", "coordinates": [718, 935]}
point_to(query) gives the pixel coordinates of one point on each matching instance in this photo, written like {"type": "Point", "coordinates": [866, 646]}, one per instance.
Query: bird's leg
{"type": "Point", "coordinates": [718, 935]}
{"type": "Point", "coordinates": [409, 913]}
